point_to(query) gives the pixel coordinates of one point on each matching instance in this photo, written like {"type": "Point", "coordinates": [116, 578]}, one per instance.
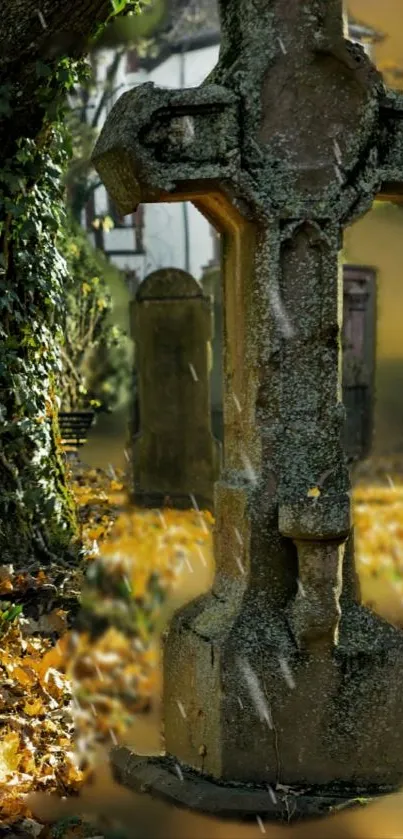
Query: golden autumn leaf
{"type": "Point", "coordinates": [54, 658]}
{"type": "Point", "coordinates": [9, 755]}
{"type": "Point", "coordinates": [26, 676]}
{"type": "Point", "coordinates": [35, 708]}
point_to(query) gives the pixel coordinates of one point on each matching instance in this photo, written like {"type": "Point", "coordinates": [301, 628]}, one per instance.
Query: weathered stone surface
{"type": "Point", "coordinates": [155, 139]}
{"type": "Point", "coordinates": [175, 457]}
{"type": "Point", "coordinates": [359, 356]}
{"type": "Point", "coordinates": [281, 674]}
{"type": "Point", "coordinates": [390, 154]}
{"type": "Point", "coordinates": [183, 787]}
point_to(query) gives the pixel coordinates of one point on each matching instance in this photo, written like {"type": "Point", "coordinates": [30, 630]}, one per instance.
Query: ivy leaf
{"type": "Point", "coordinates": [118, 6]}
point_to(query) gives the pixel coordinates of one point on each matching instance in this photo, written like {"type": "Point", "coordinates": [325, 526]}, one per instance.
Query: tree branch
{"type": "Point", "coordinates": [28, 35]}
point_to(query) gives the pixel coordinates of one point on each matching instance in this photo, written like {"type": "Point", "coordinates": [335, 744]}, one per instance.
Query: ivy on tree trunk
{"type": "Point", "coordinates": [39, 49]}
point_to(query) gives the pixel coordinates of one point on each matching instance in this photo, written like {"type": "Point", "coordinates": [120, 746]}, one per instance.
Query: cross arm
{"type": "Point", "coordinates": [155, 142]}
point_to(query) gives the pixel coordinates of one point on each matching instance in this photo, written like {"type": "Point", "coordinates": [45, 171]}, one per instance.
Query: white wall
{"type": "Point", "coordinates": [164, 231]}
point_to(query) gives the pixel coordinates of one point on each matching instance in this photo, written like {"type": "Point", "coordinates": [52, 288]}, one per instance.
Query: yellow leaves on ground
{"type": "Point", "coordinates": [35, 723]}
{"type": "Point", "coordinates": [135, 557]}
{"type": "Point", "coordinates": [114, 675]}
{"type": "Point", "coordinates": [161, 543]}
{"type": "Point", "coordinates": [378, 515]}
{"type": "Point", "coordinates": [35, 708]}
{"type": "Point", "coordinates": [114, 678]}
{"type": "Point", "coordinates": [10, 755]}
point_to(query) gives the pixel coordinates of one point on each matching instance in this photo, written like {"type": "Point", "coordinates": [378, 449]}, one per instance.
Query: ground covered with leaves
{"type": "Point", "coordinates": [66, 691]}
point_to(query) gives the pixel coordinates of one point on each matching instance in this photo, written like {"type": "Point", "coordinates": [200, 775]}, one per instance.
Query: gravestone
{"type": "Point", "coordinates": [278, 676]}
{"type": "Point", "coordinates": [175, 458]}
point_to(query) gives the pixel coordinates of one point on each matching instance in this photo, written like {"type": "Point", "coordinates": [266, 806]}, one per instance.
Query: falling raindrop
{"type": "Point", "coordinates": [237, 402]}
{"type": "Point", "coordinates": [189, 565]}
{"type": "Point", "coordinates": [126, 454]}
{"type": "Point", "coordinates": [301, 588]}
{"type": "Point", "coordinates": [240, 703]}
{"type": "Point", "coordinates": [181, 708]}
{"type": "Point", "coordinates": [280, 313]}
{"type": "Point", "coordinates": [272, 794]}
{"type": "Point", "coordinates": [162, 520]}
{"type": "Point", "coordinates": [285, 669]}
{"type": "Point", "coordinates": [282, 46]}
{"type": "Point", "coordinates": [202, 557]}
{"type": "Point", "coordinates": [249, 468]}
{"type": "Point", "coordinates": [337, 152]}
{"type": "Point", "coordinates": [193, 372]}
{"type": "Point", "coordinates": [256, 692]}
{"type": "Point", "coordinates": [194, 503]}
{"type": "Point", "coordinates": [113, 737]}
{"type": "Point", "coordinates": [197, 508]}
{"type": "Point", "coordinates": [339, 175]}
{"type": "Point", "coordinates": [390, 482]}
{"type": "Point", "coordinates": [261, 825]}
{"type": "Point", "coordinates": [188, 129]}
{"type": "Point", "coordinates": [111, 472]}
{"type": "Point", "coordinates": [238, 536]}
{"type": "Point", "coordinates": [239, 564]}
{"type": "Point", "coordinates": [41, 18]}
{"type": "Point", "coordinates": [179, 772]}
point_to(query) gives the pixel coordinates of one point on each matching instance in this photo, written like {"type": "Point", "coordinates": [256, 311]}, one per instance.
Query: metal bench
{"type": "Point", "coordinates": [74, 427]}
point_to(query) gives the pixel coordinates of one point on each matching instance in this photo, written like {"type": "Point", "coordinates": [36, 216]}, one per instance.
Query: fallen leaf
{"type": "Point", "coordinates": [9, 755]}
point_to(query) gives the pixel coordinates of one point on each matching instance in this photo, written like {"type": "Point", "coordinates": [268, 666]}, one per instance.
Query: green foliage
{"type": "Point", "coordinates": [130, 27]}
{"type": "Point", "coordinates": [95, 353]}
{"type": "Point", "coordinates": [118, 7]}
{"type": "Point", "coordinates": [8, 614]}
{"type": "Point", "coordinates": [33, 498]}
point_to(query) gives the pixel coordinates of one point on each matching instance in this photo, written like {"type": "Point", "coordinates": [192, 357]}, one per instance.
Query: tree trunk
{"type": "Point", "coordinates": [37, 519]}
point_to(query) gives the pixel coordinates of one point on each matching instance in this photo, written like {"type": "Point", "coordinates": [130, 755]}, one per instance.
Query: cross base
{"type": "Point", "coordinates": [162, 778]}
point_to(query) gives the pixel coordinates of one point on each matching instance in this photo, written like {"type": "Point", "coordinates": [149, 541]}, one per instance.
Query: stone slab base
{"type": "Point", "coordinates": [162, 778]}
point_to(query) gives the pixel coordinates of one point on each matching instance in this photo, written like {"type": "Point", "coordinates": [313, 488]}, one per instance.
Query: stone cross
{"type": "Point", "coordinates": [278, 675]}
{"type": "Point", "coordinates": [175, 457]}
